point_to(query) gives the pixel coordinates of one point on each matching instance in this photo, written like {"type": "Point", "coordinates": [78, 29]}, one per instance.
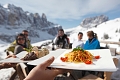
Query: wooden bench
{"type": "Point", "coordinates": [107, 75]}
{"type": "Point", "coordinates": [21, 69]}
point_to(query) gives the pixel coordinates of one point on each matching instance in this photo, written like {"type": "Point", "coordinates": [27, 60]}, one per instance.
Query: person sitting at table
{"type": "Point", "coordinates": [14, 43]}
{"type": "Point", "coordinates": [78, 42]}
{"type": "Point", "coordinates": [61, 40]}
{"type": "Point", "coordinates": [20, 40]}
{"type": "Point", "coordinates": [92, 42]}
{"type": "Point", "coordinates": [20, 46]}
{"type": "Point", "coordinates": [21, 43]}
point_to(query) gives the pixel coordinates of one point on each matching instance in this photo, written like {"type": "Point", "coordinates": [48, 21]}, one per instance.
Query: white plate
{"type": "Point", "coordinates": [15, 60]}
{"type": "Point", "coordinates": [105, 63]}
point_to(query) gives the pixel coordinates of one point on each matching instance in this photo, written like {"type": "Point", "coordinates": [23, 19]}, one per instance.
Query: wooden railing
{"type": "Point", "coordinates": [113, 50]}
{"type": "Point", "coordinates": [110, 42]}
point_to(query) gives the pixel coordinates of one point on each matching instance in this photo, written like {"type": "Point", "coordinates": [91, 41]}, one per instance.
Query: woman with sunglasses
{"type": "Point", "coordinates": [21, 43]}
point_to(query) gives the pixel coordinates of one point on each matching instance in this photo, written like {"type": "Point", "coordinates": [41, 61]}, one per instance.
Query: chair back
{"type": "Point", "coordinates": [24, 69]}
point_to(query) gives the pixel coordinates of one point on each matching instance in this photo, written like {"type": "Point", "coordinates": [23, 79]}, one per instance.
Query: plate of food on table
{"type": "Point", "coordinates": [80, 59]}
{"type": "Point", "coordinates": [27, 55]}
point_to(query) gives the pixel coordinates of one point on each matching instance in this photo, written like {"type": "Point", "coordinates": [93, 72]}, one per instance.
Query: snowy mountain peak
{"type": "Point", "coordinates": [8, 6]}
{"type": "Point", "coordinates": [94, 21]}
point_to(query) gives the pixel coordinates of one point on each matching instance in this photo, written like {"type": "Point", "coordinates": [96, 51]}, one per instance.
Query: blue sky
{"type": "Point", "coordinates": [69, 13]}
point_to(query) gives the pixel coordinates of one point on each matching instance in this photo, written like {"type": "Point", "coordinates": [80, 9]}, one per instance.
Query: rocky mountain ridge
{"type": "Point", "coordinates": [93, 21]}
{"type": "Point", "coordinates": [88, 23]}
{"type": "Point", "coordinates": [15, 18]}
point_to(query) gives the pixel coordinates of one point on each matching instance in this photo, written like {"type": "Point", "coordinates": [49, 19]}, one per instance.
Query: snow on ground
{"type": "Point", "coordinates": [41, 43]}
{"type": "Point", "coordinates": [3, 46]}
{"type": "Point", "coordinates": [4, 73]}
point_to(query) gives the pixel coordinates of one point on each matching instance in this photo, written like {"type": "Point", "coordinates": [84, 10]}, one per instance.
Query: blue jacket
{"type": "Point", "coordinates": [94, 44]}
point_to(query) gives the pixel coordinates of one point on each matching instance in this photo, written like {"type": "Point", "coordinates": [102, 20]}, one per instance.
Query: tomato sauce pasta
{"type": "Point", "coordinates": [79, 56]}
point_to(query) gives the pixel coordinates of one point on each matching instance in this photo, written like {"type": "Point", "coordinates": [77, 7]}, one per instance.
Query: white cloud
{"type": "Point", "coordinates": [65, 9]}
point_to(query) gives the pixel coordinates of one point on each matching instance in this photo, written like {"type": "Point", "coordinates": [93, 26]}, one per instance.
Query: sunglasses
{"type": "Point", "coordinates": [21, 39]}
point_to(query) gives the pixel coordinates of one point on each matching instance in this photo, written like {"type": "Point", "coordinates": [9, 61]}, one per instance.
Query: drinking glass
{"type": "Point", "coordinates": [67, 46]}
{"type": "Point", "coordinates": [60, 45]}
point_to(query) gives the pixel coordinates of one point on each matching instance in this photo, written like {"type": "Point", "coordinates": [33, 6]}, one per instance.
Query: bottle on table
{"type": "Point", "coordinates": [53, 46]}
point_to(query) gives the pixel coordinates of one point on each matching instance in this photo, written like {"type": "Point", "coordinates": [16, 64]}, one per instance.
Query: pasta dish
{"type": "Point", "coordinates": [78, 55]}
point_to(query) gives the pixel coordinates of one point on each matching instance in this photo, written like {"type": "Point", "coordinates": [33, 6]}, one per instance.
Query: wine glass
{"type": "Point", "coordinates": [60, 45]}
{"type": "Point", "coordinates": [67, 46]}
